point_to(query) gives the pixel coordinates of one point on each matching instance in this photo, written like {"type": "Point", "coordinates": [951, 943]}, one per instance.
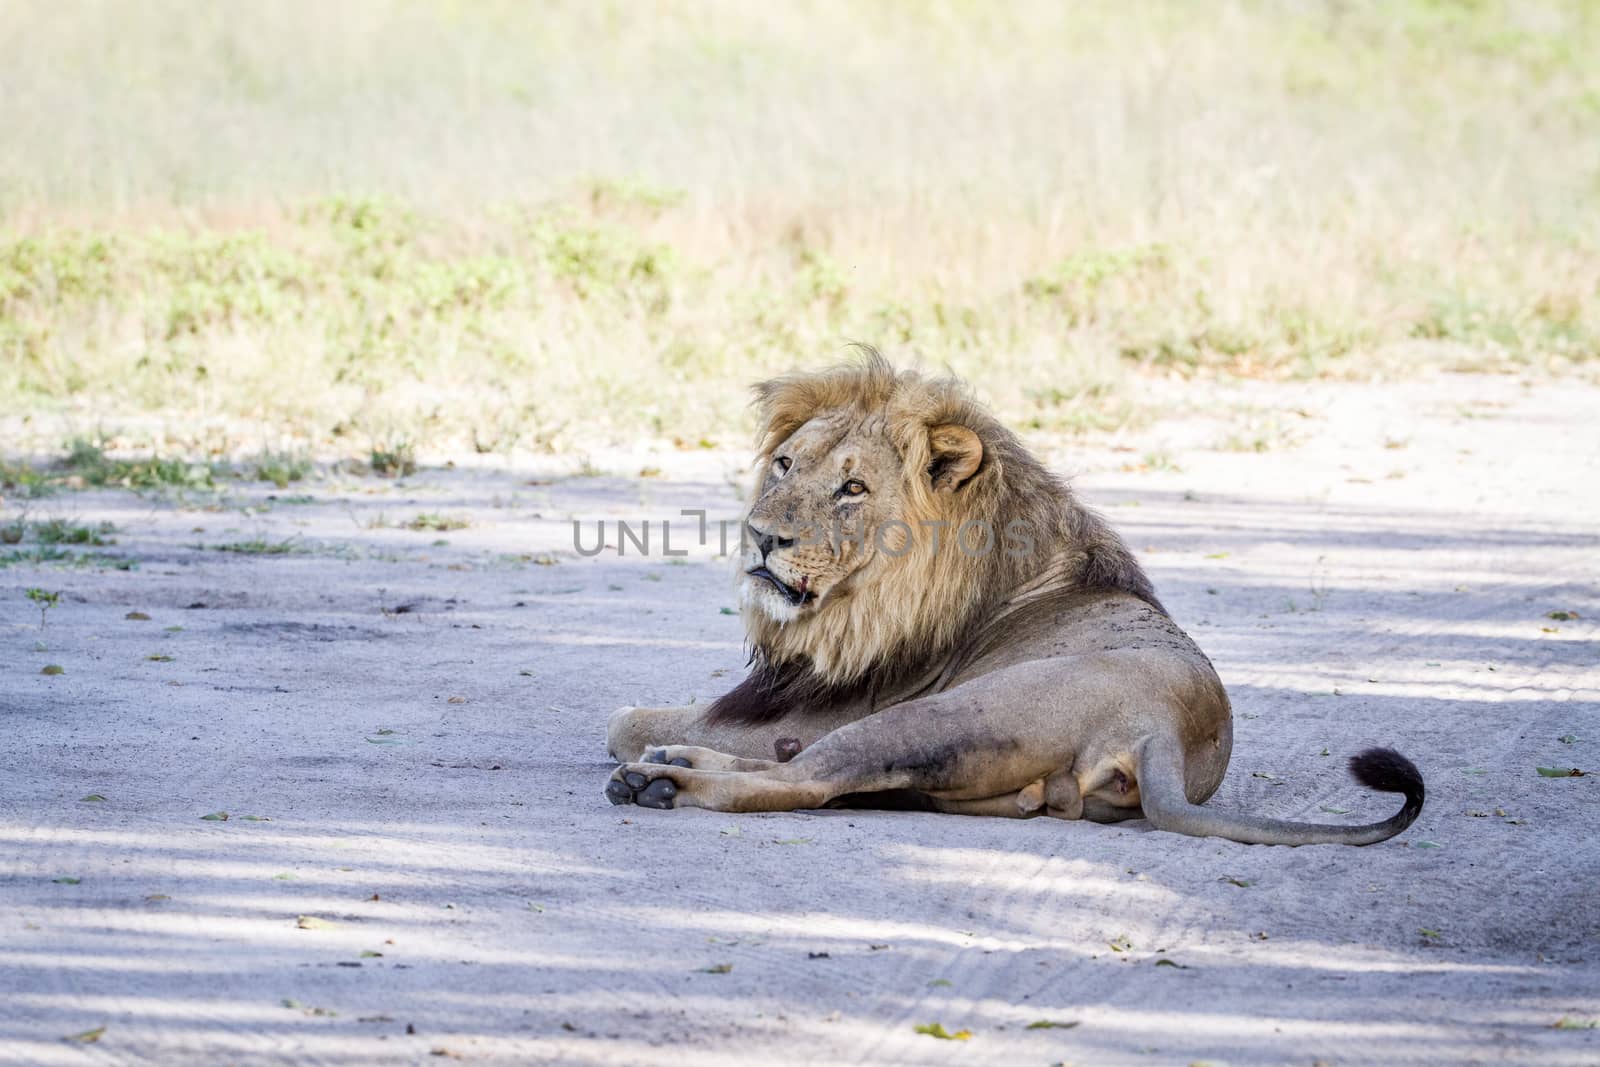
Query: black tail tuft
{"type": "Point", "coordinates": [1386, 770]}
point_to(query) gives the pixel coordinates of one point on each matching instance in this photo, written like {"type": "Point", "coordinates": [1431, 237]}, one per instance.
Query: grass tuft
{"type": "Point", "coordinates": [435, 521]}
{"type": "Point", "coordinates": [260, 547]}
{"type": "Point", "coordinates": [394, 460]}
{"type": "Point", "coordinates": [281, 468]}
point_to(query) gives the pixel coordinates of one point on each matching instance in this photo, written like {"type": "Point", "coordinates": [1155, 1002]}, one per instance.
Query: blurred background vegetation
{"type": "Point", "coordinates": [505, 226]}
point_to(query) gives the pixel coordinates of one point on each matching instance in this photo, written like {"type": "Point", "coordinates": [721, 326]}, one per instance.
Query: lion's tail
{"type": "Point", "coordinates": [1161, 793]}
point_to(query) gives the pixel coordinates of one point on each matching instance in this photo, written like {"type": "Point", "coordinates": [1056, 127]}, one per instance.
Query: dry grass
{"type": "Point", "coordinates": [304, 225]}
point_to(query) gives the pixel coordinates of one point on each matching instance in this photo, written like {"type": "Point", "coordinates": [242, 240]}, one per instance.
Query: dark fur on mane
{"type": "Point", "coordinates": [772, 691]}
{"type": "Point", "coordinates": [1108, 566]}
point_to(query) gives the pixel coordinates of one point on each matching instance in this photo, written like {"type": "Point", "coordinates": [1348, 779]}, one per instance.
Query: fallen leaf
{"type": "Point", "coordinates": [1164, 962]}
{"type": "Point", "coordinates": [312, 922]}
{"type": "Point", "coordinates": [1121, 944]}
{"type": "Point", "coordinates": [938, 982]}
{"type": "Point", "coordinates": [1431, 935]}
{"type": "Point", "coordinates": [216, 816]}
{"type": "Point", "coordinates": [791, 840]}
{"type": "Point", "coordinates": [1568, 739]}
{"type": "Point", "coordinates": [1567, 1022]}
{"type": "Point", "coordinates": [1240, 882]}
{"type": "Point", "coordinates": [137, 616]}
{"type": "Point", "coordinates": [535, 907]}
{"type": "Point", "coordinates": [157, 896]}
{"type": "Point", "coordinates": [368, 954]}
{"type": "Point", "coordinates": [1560, 772]}
{"type": "Point", "coordinates": [937, 1030]}
{"type": "Point", "coordinates": [445, 1052]}
{"type": "Point", "coordinates": [159, 657]}
{"type": "Point", "coordinates": [254, 818]}
{"type": "Point", "coordinates": [54, 668]}
{"type": "Point", "coordinates": [285, 876]}
{"type": "Point", "coordinates": [89, 1037]}
{"type": "Point", "coordinates": [1334, 811]}
{"type": "Point", "coordinates": [716, 968]}
{"type": "Point", "coordinates": [456, 700]}
{"type": "Point", "coordinates": [1426, 844]}
{"type": "Point", "coordinates": [94, 798]}
{"type": "Point", "coordinates": [1563, 616]}
{"type": "Point", "coordinates": [66, 879]}
{"type": "Point", "coordinates": [1051, 1024]}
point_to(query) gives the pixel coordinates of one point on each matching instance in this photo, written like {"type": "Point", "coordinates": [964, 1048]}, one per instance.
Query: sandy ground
{"type": "Point", "coordinates": [418, 862]}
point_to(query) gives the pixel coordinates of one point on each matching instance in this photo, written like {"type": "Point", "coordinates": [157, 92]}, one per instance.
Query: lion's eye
{"type": "Point", "coordinates": [853, 488]}
{"type": "Point", "coordinates": [783, 463]}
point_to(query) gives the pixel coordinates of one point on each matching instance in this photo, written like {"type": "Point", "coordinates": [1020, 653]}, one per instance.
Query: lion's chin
{"type": "Point", "coordinates": [760, 594]}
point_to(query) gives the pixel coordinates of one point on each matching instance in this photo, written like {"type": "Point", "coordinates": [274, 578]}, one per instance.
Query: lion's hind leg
{"type": "Point", "coordinates": [1055, 795]}
{"type": "Point", "coordinates": [1006, 806]}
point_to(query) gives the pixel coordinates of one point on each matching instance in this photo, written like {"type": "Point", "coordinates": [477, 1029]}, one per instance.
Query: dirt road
{"type": "Point", "coordinates": [404, 728]}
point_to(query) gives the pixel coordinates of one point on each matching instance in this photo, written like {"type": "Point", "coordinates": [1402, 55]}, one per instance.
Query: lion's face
{"type": "Point", "coordinates": [842, 566]}
{"type": "Point", "coordinates": [827, 512]}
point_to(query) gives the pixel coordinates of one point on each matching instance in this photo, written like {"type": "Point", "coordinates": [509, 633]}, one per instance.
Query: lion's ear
{"type": "Point", "coordinates": [954, 453]}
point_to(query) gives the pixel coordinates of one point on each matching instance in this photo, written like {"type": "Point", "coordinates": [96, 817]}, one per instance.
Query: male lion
{"type": "Point", "coordinates": [935, 619]}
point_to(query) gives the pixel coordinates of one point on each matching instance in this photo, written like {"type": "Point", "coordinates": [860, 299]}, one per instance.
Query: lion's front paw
{"type": "Point", "coordinates": [635, 783]}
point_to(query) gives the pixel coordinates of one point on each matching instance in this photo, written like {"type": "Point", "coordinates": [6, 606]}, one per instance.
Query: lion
{"type": "Point", "coordinates": [1020, 664]}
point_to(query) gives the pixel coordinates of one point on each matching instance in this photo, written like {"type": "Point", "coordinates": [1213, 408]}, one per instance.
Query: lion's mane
{"type": "Point", "coordinates": [926, 605]}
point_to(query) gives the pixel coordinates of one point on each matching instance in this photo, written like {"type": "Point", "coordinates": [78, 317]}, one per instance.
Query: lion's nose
{"type": "Point", "coordinates": [766, 542]}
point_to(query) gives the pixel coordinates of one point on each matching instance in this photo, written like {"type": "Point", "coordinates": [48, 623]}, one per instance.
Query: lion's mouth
{"type": "Point", "coordinates": [794, 596]}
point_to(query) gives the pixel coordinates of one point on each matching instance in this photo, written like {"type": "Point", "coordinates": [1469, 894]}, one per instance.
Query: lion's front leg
{"type": "Point", "coordinates": [631, 731]}
{"type": "Point", "coordinates": [704, 759]}
{"type": "Point", "coordinates": [664, 785]}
